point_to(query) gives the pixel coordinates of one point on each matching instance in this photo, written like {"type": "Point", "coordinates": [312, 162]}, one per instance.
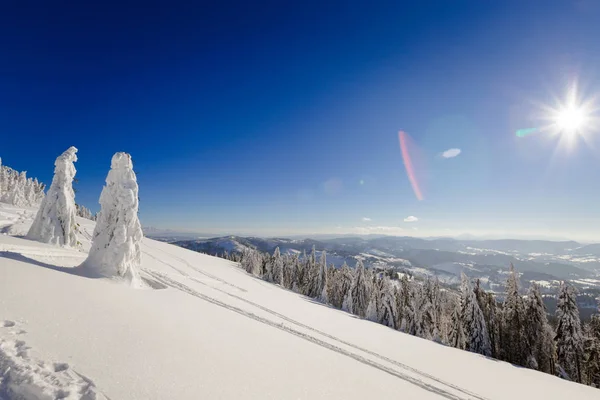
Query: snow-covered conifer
{"type": "Point", "coordinates": [456, 336]}
{"type": "Point", "coordinates": [277, 268]}
{"type": "Point", "coordinates": [542, 355]}
{"type": "Point", "coordinates": [387, 311]}
{"type": "Point", "coordinates": [322, 282]}
{"type": "Point", "coordinates": [359, 291]}
{"type": "Point", "coordinates": [592, 351]}
{"type": "Point", "coordinates": [341, 285]}
{"type": "Point", "coordinates": [514, 342]}
{"type": "Point", "coordinates": [420, 322]}
{"type": "Point", "coordinates": [55, 221]}
{"type": "Point", "coordinates": [372, 313]}
{"type": "Point", "coordinates": [115, 250]}
{"type": "Point", "coordinates": [569, 338]}
{"type": "Point", "coordinates": [476, 334]}
{"type": "Point", "coordinates": [402, 303]}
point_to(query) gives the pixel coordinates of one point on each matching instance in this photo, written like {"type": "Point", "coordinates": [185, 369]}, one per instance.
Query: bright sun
{"type": "Point", "coordinates": [571, 120]}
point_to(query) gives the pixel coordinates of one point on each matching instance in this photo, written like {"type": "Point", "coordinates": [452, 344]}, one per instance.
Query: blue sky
{"type": "Point", "coordinates": [283, 117]}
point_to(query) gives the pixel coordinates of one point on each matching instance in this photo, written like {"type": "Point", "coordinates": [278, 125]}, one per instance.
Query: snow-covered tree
{"type": "Point", "coordinates": [402, 304]}
{"type": "Point", "coordinates": [115, 250]}
{"type": "Point", "coordinates": [289, 270]}
{"type": "Point", "coordinates": [277, 268]}
{"type": "Point", "coordinates": [592, 351]}
{"type": "Point", "coordinates": [387, 310]}
{"type": "Point", "coordinates": [55, 221]}
{"type": "Point", "coordinates": [514, 341]}
{"type": "Point", "coordinates": [372, 313]}
{"type": "Point", "coordinates": [16, 196]}
{"type": "Point", "coordinates": [475, 329]}
{"type": "Point", "coordinates": [569, 338]}
{"type": "Point", "coordinates": [536, 328]}
{"type": "Point", "coordinates": [84, 212]}
{"type": "Point", "coordinates": [17, 189]}
{"type": "Point", "coordinates": [456, 336]}
{"type": "Point", "coordinates": [359, 291]}
{"type": "Point", "coordinates": [252, 261]}
{"type": "Point", "coordinates": [419, 314]}
{"type": "Point", "coordinates": [341, 285]}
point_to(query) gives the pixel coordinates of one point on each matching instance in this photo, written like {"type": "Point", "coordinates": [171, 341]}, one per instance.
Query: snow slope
{"type": "Point", "coordinates": [210, 331]}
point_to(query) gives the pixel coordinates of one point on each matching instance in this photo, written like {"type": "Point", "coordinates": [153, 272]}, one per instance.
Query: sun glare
{"type": "Point", "coordinates": [571, 119]}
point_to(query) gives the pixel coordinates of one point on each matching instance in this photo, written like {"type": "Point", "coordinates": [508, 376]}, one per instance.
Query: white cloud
{"type": "Point", "coordinates": [411, 218]}
{"type": "Point", "coordinates": [450, 153]}
{"type": "Point", "coordinates": [366, 219]}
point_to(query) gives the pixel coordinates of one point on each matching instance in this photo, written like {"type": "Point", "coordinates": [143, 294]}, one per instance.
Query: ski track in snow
{"type": "Point", "coordinates": [25, 378]}
{"type": "Point", "coordinates": [436, 386]}
{"type": "Point", "coordinates": [198, 270]}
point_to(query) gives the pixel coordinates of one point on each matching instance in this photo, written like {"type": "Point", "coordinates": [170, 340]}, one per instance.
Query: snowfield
{"type": "Point", "coordinates": [205, 329]}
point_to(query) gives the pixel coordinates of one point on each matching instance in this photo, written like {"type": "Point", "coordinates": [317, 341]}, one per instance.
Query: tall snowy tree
{"type": "Point", "coordinates": [115, 250]}
{"type": "Point", "coordinates": [536, 328]}
{"type": "Point", "coordinates": [387, 311]}
{"type": "Point", "coordinates": [569, 338]}
{"type": "Point", "coordinates": [419, 313]}
{"type": "Point", "coordinates": [476, 334]}
{"type": "Point", "coordinates": [592, 351]}
{"type": "Point", "coordinates": [341, 286]}
{"type": "Point", "coordinates": [55, 221]}
{"type": "Point", "coordinates": [322, 284]}
{"type": "Point", "coordinates": [359, 291]}
{"type": "Point", "coordinates": [402, 304]}
{"type": "Point", "coordinates": [277, 268]}
{"type": "Point", "coordinates": [456, 336]}
{"type": "Point", "coordinates": [372, 313]}
{"type": "Point", "coordinates": [514, 342]}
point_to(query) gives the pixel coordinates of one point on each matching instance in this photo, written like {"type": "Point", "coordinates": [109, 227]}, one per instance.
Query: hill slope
{"type": "Point", "coordinates": [209, 330]}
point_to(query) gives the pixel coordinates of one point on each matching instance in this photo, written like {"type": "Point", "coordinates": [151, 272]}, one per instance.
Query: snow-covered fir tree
{"type": "Point", "coordinates": [419, 319]}
{"type": "Point", "coordinates": [569, 338]}
{"type": "Point", "coordinates": [372, 313]}
{"type": "Point", "coordinates": [341, 285]}
{"type": "Point", "coordinates": [359, 293]}
{"type": "Point", "coordinates": [277, 268]}
{"type": "Point", "coordinates": [17, 189]}
{"type": "Point", "coordinates": [115, 250]}
{"type": "Point", "coordinates": [475, 329]}
{"type": "Point", "coordinates": [592, 351]}
{"type": "Point", "coordinates": [322, 282]}
{"type": "Point", "coordinates": [433, 293]}
{"type": "Point", "coordinates": [84, 212]}
{"type": "Point", "coordinates": [387, 310]}
{"type": "Point", "coordinates": [402, 304]}
{"type": "Point", "coordinates": [55, 220]}
{"type": "Point", "coordinates": [252, 261]}
{"type": "Point", "coordinates": [313, 269]}
{"type": "Point", "coordinates": [541, 345]}
{"type": "Point", "coordinates": [514, 341]}
{"type": "Point", "coordinates": [456, 336]}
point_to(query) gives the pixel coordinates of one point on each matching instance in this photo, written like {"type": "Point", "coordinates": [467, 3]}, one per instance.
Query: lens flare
{"type": "Point", "coordinates": [408, 164]}
{"type": "Point", "coordinates": [526, 132]}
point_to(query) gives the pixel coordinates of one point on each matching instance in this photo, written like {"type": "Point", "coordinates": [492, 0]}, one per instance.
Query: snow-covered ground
{"type": "Point", "coordinates": [208, 330]}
